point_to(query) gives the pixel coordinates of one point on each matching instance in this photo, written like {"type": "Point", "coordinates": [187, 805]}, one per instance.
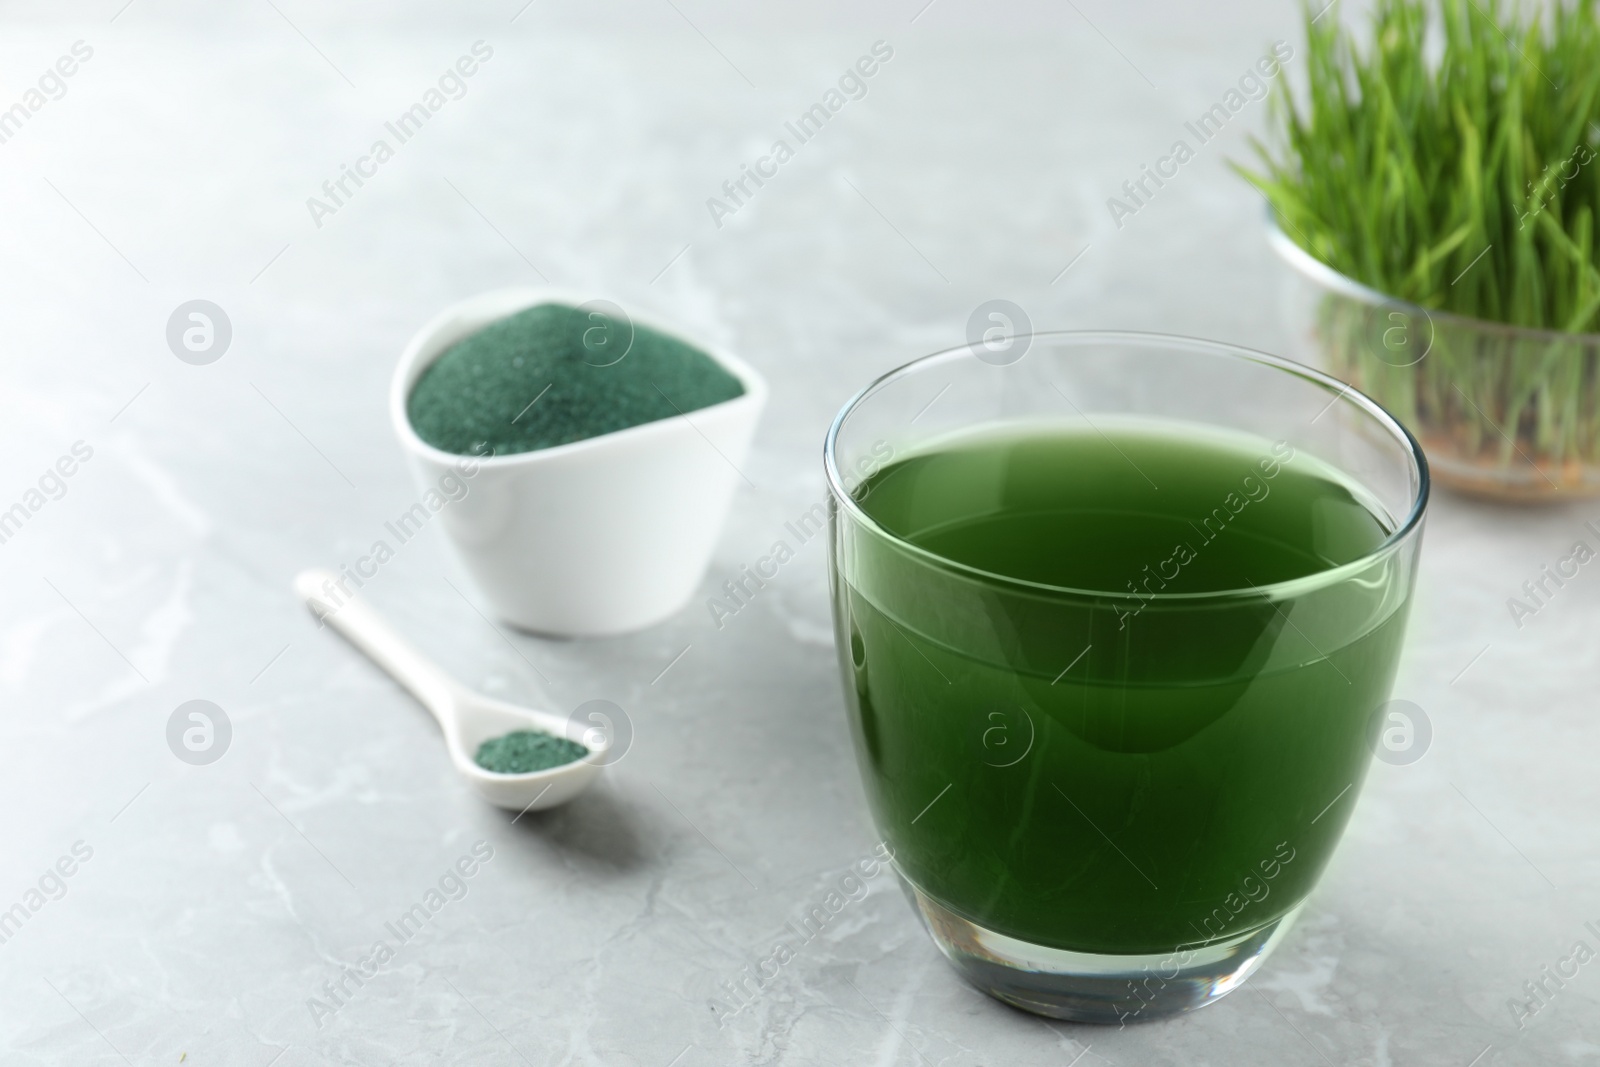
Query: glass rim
{"type": "Point", "coordinates": [1271, 591]}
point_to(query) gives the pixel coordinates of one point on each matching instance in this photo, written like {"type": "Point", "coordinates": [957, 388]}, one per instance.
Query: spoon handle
{"type": "Point", "coordinates": [367, 630]}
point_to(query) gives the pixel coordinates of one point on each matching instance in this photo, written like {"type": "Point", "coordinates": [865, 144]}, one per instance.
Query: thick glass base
{"type": "Point", "coordinates": [1089, 987]}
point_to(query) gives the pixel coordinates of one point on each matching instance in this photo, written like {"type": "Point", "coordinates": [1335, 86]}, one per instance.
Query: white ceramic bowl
{"type": "Point", "coordinates": [600, 536]}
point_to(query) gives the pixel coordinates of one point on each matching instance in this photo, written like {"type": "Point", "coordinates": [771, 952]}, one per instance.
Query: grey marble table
{"type": "Point", "coordinates": [210, 910]}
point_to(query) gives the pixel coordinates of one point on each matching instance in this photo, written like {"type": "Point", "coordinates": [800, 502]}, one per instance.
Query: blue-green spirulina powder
{"type": "Point", "coordinates": [526, 751]}
{"type": "Point", "coordinates": [550, 375]}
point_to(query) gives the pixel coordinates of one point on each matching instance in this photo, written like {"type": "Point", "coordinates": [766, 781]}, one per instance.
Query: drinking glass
{"type": "Point", "coordinates": [1109, 806]}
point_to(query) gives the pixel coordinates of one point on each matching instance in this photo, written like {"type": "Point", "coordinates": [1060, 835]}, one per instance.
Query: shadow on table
{"type": "Point", "coordinates": [595, 827]}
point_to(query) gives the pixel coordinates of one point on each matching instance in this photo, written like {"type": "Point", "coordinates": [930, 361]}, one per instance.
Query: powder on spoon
{"type": "Point", "coordinates": [526, 751]}
{"type": "Point", "coordinates": [545, 376]}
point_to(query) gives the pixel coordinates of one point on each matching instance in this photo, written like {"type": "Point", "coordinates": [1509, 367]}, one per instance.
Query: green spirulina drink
{"type": "Point", "coordinates": [1110, 690]}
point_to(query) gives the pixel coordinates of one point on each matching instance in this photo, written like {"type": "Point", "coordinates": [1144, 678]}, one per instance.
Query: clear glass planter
{"type": "Point", "coordinates": [1502, 411]}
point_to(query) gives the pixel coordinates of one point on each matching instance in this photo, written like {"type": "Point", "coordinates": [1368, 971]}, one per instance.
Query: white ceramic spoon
{"type": "Point", "coordinates": [466, 718]}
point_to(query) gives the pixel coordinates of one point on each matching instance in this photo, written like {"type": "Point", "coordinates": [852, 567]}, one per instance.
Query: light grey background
{"type": "Point", "coordinates": [219, 898]}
